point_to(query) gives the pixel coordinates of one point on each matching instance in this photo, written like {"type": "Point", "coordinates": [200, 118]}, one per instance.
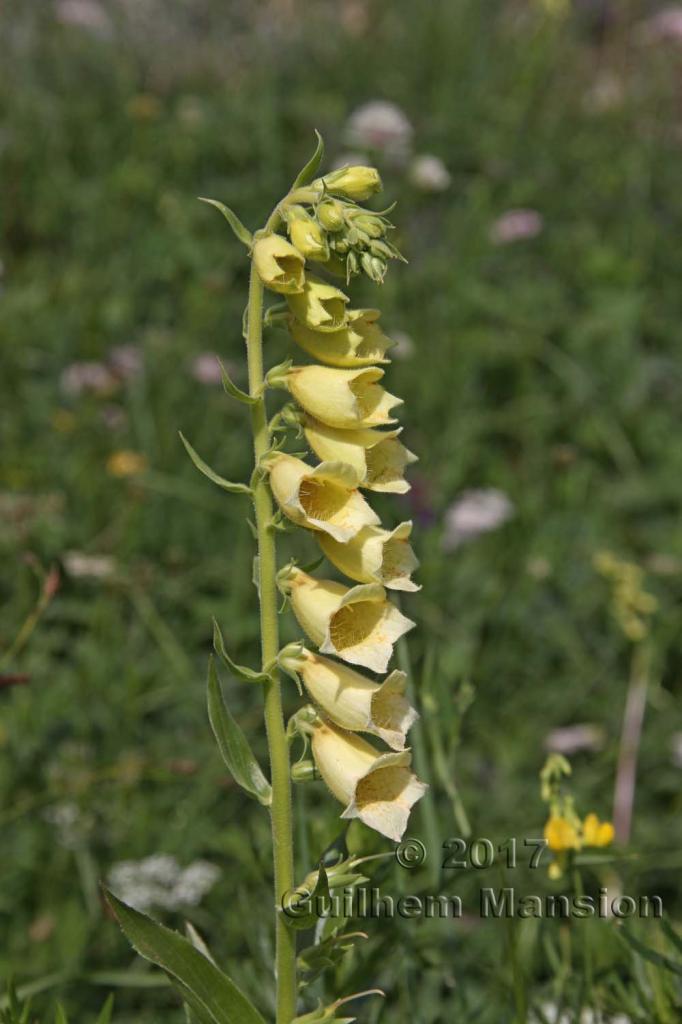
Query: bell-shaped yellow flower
{"type": "Point", "coordinates": [377, 456]}
{"type": "Point", "coordinates": [358, 624]}
{"type": "Point", "coordinates": [342, 398]}
{"type": "Point", "coordinates": [322, 498]}
{"type": "Point", "coordinates": [307, 235]}
{"type": "Point", "coordinates": [561, 834]}
{"type": "Point", "coordinates": [354, 702]}
{"type": "Point", "coordinates": [280, 266]}
{"type": "Point", "coordinates": [319, 305]}
{"type": "Point", "coordinates": [379, 789]}
{"type": "Point", "coordinates": [596, 832]}
{"type": "Point", "coordinates": [358, 182]}
{"type": "Point", "coordinates": [360, 343]}
{"type": "Point", "coordinates": [374, 555]}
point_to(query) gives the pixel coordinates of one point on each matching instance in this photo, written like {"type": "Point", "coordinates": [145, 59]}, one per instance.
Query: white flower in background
{"type": "Point", "coordinates": [473, 513]}
{"type": "Point", "coordinates": [159, 881]}
{"type": "Point", "coordinates": [606, 93]}
{"type": "Point", "coordinates": [85, 14]}
{"type": "Point", "coordinates": [66, 818]}
{"type": "Point", "coordinates": [664, 26]}
{"type": "Point", "coordinates": [126, 361]}
{"type": "Point", "coordinates": [676, 745]}
{"type": "Point", "coordinates": [515, 226]}
{"type": "Point", "coordinates": [570, 739]}
{"type": "Point", "coordinates": [95, 378]}
{"type": "Point", "coordinates": [78, 565]}
{"type": "Point", "coordinates": [403, 345]}
{"type": "Point", "coordinates": [206, 369]}
{"type": "Point", "coordinates": [429, 173]}
{"type": "Point", "coordinates": [380, 125]}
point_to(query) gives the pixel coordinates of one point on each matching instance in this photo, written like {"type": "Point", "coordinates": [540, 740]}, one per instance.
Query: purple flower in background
{"type": "Point", "coordinates": [473, 513]}
{"type": "Point", "coordinates": [570, 739]}
{"type": "Point", "coordinates": [516, 225]}
{"type": "Point", "coordinates": [126, 361]}
{"type": "Point", "coordinates": [206, 368]}
{"type": "Point", "coordinates": [665, 26]}
{"type": "Point", "coordinates": [419, 500]}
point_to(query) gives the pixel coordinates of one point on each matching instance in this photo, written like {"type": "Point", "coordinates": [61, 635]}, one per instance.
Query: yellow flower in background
{"type": "Point", "coordinates": [354, 702]}
{"type": "Point", "coordinates": [596, 832]}
{"type": "Point", "coordinates": [279, 264]}
{"type": "Point", "coordinates": [377, 456]}
{"type": "Point", "coordinates": [322, 498]}
{"type": "Point", "coordinates": [126, 463]}
{"type": "Point", "coordinates": [358, 624]}
{"type": "Point", "coordinates": [561, 834]}
{"type": "Point", "coordinates": [319, 305]}
{"type": "Point", "coordinates": [306, 235]}
{"type": "Point", "coordinates": [379, 789]}
{"type": "Point", "coordinates": [357, 183]}
{"type": "Point", "coordinates": [360, 343]}
{"type": "Point", "coordinates": [374, 555]}
{"type": "Point", "coordinates": [342, 398]}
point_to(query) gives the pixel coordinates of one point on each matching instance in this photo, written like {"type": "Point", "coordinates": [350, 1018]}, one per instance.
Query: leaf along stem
{"type": "Point", "coordinates": [280, 809]}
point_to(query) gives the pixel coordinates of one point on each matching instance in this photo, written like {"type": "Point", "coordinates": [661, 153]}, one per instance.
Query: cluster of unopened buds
{"type": "Point", "coordinates": [344, 414]}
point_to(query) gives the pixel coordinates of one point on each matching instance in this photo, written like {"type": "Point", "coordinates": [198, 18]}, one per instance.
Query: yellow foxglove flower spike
{"type": "Point", "coordinates": [360, 343]}
{"type": "Point", "coordinates": [358, 182]}
{"type": "Point", "coordinates": [322, 498]}
{"type": "Point", "coordinates": [354, 702]}
{"type": "Point", "coordinates": [342, 398]}
{"type": "Point", "coordinates": [379, 789]}
{"type": "Point", "coordinates": [306, 235]}
{"type": "Point", "coordinates": [280, 266]}
{"type": "Point", "coordinates": [374, 555]}
{"type": "Point", "coordinates": [319, 305]}
{"type": "Point", "coordinates": [377, 456]}
{"type": "Point", "coordinates": [358, 624]}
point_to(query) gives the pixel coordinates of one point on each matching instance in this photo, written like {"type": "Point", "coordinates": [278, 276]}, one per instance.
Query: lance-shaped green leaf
{"type": "Point", "coordinates": [243, 672]}
{"type": "Point", "coordinates": [232, 389]}
{"type": "Point", "coordinates": [210, 994]}
{"type": "Point", "coordinates": [233, 744]}
{"type": "Point", "coordinates": [60, 1017]}
{"type": "Point", "coordinates": [106, 1012]}
{"type": "Point", "coordinates": [242, 233]}
{"type": "Point", "coordinates": [204, 468]}
{"type": "Point", "coordinates": [308, 172]}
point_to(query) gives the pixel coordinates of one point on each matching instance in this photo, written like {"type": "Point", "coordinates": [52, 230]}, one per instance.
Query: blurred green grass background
{"type": "Point", "coordinates": [547, 368]}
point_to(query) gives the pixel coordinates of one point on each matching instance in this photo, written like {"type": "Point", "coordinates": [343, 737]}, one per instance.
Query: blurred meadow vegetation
{"type": "Point", "coordinates": [547, 368]}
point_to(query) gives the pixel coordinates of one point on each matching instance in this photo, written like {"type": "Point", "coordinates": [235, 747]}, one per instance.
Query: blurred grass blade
{"type": "Point", "coordinates": [204, 468]}
{"type": "Point", "coordinates": [212, 996]}
{"type": "Point", "coordinates": [241, 232]}
{"type": "Point", "coordinates": [233, 745]}
{"type": "Point", "coordinates": [308, 172]}
{"type": "Point", "coordinates": [106, 1012]}
{"type": "Point", "coordinates": [60, 1017]}
{"type": "Point", "coordinates": [652, 955]}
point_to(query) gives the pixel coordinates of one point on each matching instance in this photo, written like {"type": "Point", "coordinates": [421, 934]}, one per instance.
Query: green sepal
{"type": "Point", "coordinates": [242, 233]}
{"type": "Point", "coordinates": [210, 993]}
{"type": "Point", "coordinates": [309, 920]}
{"type": "Point", "coordinates": [243, 672]}
{"type": "Point", "coordinates": [312, 566]}
{"type": "Point", "coordinates": [307, 173]}
{"type": "Point", "coordinates": [232, 389]}
{"type": "Point", "coordinates": [328, 953]}
{"type": "Point", "coordinates": [233, 744]}
{"type": "Point", "coordinates": [204, 468]}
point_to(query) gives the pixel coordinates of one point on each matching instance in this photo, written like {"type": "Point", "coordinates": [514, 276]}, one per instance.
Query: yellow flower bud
{"type": "Point", "coordinates": [561, 834]}
{"type": "Point", "coordinates": [374, 555]}
{"type": "Point", "coordinates": [306, 235]}
{"type": "Point", "coordinates": [321, 498]}
{"type": "Point", "coordinates": [596, 832]}
{"type": "Point", "coordinates": [342, 398]}
{"type": "Point", "coordinates": [358, 183]}
{"type": "Point", "coordinates": [319, 305]}
{"type": "Point", "coordinates": [358, 624]}
{"type": "Point", "coordinates": [360, 343]}
{"type": "Point", "coordinates": [379, 789]}
{"type": "Point", "coordinates": [354, 702]}
{"type": "Point", "coordinates": [280, 266]}
{"type": "Point", "coordinates": [377, 456]}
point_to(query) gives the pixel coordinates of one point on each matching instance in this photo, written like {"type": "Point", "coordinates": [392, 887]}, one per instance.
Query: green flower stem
{"type": "Point", "coordinates": [280, 811]}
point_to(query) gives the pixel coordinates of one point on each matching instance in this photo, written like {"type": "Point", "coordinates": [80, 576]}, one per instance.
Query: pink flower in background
{"type": "Point", "coordinates": [206, 369]}
{"type": "Point", "coordinates": [665, 26]}
{"type": "Point", "coordinates": [380, 125]}
{"type": "Point", "coordinates": [473, 513]}
{"type": "Point", "coordinates": [85, 14]}
{"type": "Point", "coordinates": [516, 225]}
{"type": "Point", "coordinates": [84, 377]}
{"type": "Point", "coordinates": [570, 739]}
{"type": "Point", "coordinates": [126, 361]}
